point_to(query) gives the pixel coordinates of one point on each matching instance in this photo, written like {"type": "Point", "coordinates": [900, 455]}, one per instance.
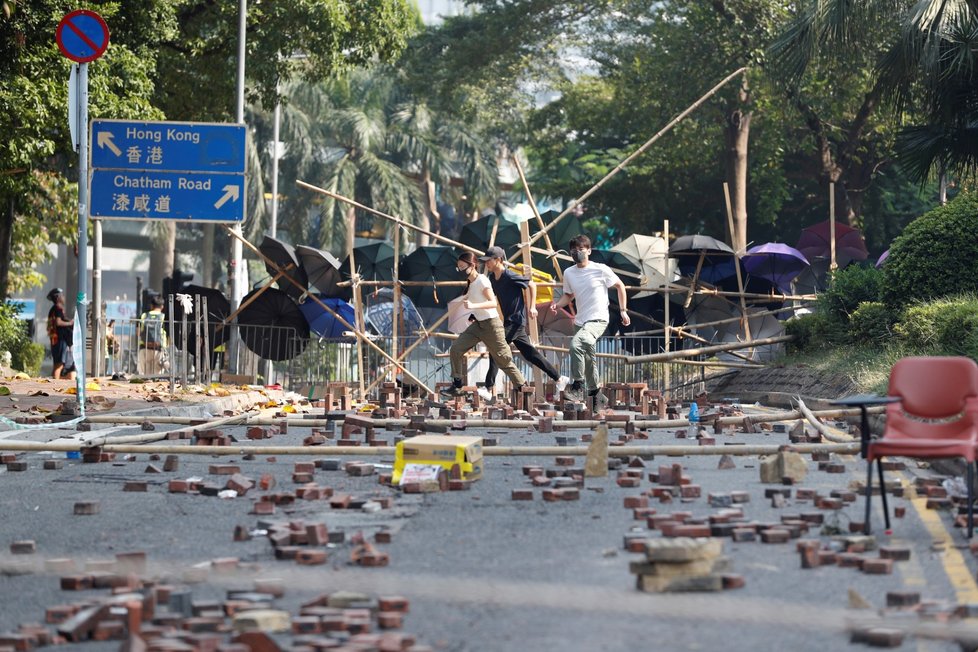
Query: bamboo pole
{"type": "Point", "coordinates": [740, 280]}
{"type": "Point", "coordinates": [666, 369]}
{"type": "Point", "coordinates": [770, 417]}
{"type": "Point", "coordinates": [638, 152]}
{"type": "Point", "coordinates": [404, 354]}
{"type": "Point", "coordinates": [396, 307]}
{"type": "Point", "coordinates": [395, 220]}
{"type": "Point", "coordinates": [359, 334]}
{"type": "Point", "coordinates": [533, 329]}
{"type": "Point", "coordinates": [539, 218]}
{"type": "Point", "coordinates": [706, 350]}
{"type": "Point", "coordinates": [358, 319]}
{"type": "Point", "coordinates": [386, 451]}
{"type": "Point", "coordinates": [832, 265]}
{"type": "Point", "coordinates": [695, 338]}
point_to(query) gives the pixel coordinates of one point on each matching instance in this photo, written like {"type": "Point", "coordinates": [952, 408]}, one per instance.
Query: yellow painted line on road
{"type": "Point", "coordinates": [962, 580]}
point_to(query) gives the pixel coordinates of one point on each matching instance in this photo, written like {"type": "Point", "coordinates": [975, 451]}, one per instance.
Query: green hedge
{"type": "Point", "coordinates": [935, 256]}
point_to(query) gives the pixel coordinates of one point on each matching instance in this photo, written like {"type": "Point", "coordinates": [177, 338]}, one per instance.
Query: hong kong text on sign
{"type": "Point", "coordinates": [167, 170]}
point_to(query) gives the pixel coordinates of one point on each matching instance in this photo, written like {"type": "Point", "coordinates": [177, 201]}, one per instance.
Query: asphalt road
{"type": "Point", "coordinates": [481, 571]}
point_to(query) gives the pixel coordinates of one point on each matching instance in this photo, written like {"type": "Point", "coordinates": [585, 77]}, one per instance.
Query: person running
{"type": "Point", "coordinates": [60, 332]}
{"type": "Point", "coordinates": [586, 284]}
{"type": "Point", "coordinates": [485, 326]}
{"type": "Point", "coordinates": [515, 293]}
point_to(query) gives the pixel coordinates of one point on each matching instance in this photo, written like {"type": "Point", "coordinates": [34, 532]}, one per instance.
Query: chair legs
{"type": "Point", "coordinates": [971, 499]}
{"type": "Point", "coordinates": [869, 494]}
{"type": "Point", "coordinates": [886, 510]}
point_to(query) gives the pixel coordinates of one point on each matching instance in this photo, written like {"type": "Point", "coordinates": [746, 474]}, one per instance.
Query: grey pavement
{"type": "Point", "coordinates": [484, 572]}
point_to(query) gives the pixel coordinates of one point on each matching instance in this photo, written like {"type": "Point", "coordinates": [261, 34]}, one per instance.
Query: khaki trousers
{"type": "Point", "coordinates": [489, 332]}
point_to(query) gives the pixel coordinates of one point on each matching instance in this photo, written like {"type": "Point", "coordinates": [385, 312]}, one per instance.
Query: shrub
{"type": "Point", "coordinates": [14, 338]}
{"type": "Point", "coordinates": [812, 331]}
{"type": "Point", "coordinates": [947, 326]}
{"type": "Point", "coordinates": [28, 358]}
{"type": "Point", "coordinates": [936, 256]}
{"type": "Point", "coordinates": [871, 323]}
{"type": "Point", "coordinates": [848, 288]}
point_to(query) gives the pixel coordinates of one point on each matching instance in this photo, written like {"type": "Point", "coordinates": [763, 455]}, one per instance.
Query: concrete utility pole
{"type": "Point", "coordinates": [237, 259]}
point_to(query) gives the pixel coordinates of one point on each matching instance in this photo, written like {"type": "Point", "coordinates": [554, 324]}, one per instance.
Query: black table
{"type": "Point", "coordinates": [863, 401]}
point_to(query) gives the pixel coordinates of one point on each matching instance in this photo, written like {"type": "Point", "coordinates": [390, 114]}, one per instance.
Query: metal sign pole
{"type": "Point", "coordinates": [81, 312]}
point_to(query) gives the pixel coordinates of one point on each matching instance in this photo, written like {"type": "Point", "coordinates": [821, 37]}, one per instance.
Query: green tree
{"type": "Point", "coordinates": [34, 206]}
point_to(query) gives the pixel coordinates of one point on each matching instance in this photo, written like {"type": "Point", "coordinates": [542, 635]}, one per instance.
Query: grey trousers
{"type": "Point", "coordinates": [490, 332]}
{"type": "Point", "coordinates": [582, 352]}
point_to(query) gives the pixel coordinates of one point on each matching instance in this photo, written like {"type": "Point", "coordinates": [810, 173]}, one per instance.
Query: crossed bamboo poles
{"type": "Point", "coordinates": [524, 250]}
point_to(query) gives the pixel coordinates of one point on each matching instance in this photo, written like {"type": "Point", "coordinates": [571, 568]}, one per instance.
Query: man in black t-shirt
{"type": "Point", "coordinates": [61, 335]}
{"type": "Point", "coordinates": [514, 294]}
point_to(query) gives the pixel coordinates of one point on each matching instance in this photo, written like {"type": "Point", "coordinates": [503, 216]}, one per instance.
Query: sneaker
{"type": "Point", "coordinates": [600, 402]}
{"type": "Point", "coordinates": [485, 394]}
{"type": "Point", "coordinates": [574, 393]}
{"type": "Point", "coordinates": [562, 383]}
{"type": "Point", "coordinates": [453, 392]}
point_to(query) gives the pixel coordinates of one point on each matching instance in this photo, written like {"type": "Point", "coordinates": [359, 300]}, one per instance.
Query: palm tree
{"type": "Point", "coordinates": [929, 58]}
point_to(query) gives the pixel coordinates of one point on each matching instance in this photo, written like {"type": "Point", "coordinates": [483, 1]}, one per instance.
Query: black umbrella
{"type": "Point", "coordinates": [283, 255]}
{"type": "Point", "coordinates": [218, 309]}
{"type": "Point", "coordinates": [431, 263]}
{"type": "Point", "coordinates": [718, 259]}
{"type": "Point", "coordinates": [560, 236]}
{"type": "Point", "coordinates": [272, 325]}
{"type": "Point", "coordinates": [477, 234]}
{"type": "Point", "coordinates": [323, 271]}
{"type": "Point", "coordinates": [374, 262]}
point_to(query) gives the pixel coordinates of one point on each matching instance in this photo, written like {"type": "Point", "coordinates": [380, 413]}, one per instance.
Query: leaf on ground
{"type": "Point", "coordinates": [39, 392]}
{"type": "Point", "coordinates": [4, 390]}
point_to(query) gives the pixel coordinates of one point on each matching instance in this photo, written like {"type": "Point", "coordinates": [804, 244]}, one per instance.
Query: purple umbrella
{"type": "Point", "coordinates": [775, 262]}
{"type": "Point", "coordinates": [882, 258]}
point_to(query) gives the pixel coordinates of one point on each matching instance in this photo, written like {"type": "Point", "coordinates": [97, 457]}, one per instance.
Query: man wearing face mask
{"type": "Point", "coordinates": [587, 284]}
{"type": "Point", "coordinates": [486, 327]}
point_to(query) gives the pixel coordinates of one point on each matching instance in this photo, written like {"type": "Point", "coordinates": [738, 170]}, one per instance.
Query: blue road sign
{"type": "Point", "coordinates": [82, 35]}
{"type": "Point", "coordinates": [133, 194]}
{"type": "Point", "coordinates": [168, 146]}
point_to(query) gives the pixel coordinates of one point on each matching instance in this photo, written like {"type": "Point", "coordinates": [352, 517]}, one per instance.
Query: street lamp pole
{"type": "Point", "coordinates": [237, 262]}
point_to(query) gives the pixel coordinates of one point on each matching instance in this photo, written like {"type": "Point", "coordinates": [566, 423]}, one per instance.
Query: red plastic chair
{"type": "Point", "coordinates": [936, 417]}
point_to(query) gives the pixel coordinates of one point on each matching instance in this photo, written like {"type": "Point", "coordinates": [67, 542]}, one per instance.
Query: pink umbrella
{"type": "Point", "coordinates": [815, 242]}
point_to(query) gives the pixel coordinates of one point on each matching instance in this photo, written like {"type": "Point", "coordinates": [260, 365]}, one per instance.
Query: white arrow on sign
{"type": "Point", "coordinates": [230, 192]}
{"type": "Point", "coordinates": [105, 139]}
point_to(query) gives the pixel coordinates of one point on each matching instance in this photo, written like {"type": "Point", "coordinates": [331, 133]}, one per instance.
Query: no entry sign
{"type": "Point", "coordinates": [82, 36]}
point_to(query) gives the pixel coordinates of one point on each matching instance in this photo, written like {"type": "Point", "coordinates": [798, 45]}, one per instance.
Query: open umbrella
{"type": "Point", "coordinates": [651, 255]}
{"type": "Point", "coordinates": [379, 314]}
{"type": "Point", "coordinates": [761, 327]}
{"type": "Point", "coordinates": [815, 241]}
{"type": "Point", "coordinates": [478, 233]}
{"type": "Point", "coordinates": [560, 236]}
{"type": "Point", "coordinates": [431, 263]}
{"type": "Point", "coordinates": [717, 258]}
{"type": "Point", "coordinates": [218, 308]}
{"type": "Point", "coordinates": [272, 326]}
{"type": "Point", "coordinates": [554, 330]}
{"type": "Point", "coordinates": [374, 262]}
{"type": "Point", "coordinates": [776, 262]}
{"type": "Point", "coordinates": [882, 258]}
{"type": "Point", "coordinates": [323, 271]}
{"type": "Point", "coordinates": [283, 255]}
{"type": "Point", "coordinates": [324, 324]}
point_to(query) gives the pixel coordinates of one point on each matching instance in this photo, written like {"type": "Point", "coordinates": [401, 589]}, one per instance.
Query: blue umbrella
{"type": "Point", "coordinates": [775, 262]}
{"type": "Point", "coordinates": [324, 324]}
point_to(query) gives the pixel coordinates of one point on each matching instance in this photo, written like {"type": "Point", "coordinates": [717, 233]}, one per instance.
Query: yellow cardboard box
{"type": "Point", "coordinates": [441, 450]}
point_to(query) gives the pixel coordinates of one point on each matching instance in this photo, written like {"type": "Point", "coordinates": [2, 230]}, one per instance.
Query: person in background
{"type": "Point", "coordinates": [60, 332]}
{"type": "Point", "coordinates": [587, 284]}
{"type": "Point", "coordinates": [112, 348]}
{"type": "Point", "coordinates": [516, 294]}
{"type": "Point", "coordinates": [152, 339]}
{"type": "Point", "coordinates": [485, 327]}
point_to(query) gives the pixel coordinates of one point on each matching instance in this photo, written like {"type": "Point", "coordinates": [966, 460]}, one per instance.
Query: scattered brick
{"type": "Point", "coordinates": [87, 508]}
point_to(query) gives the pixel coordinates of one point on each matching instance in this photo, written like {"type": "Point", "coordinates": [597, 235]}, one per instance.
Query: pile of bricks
{"type": "Point", "coordinates": [562, 483]}
{"type": "Point", "coordinates": [848, 552]}
{"type": "Point", "coordinates": [683, 564]}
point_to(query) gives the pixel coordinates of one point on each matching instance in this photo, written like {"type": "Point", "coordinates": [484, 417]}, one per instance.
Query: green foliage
{"type": "Point", "coordinates": [871, 323]}
{"type": "Point", "coordinates": [14, 338]}
{"type": "Point", "coordinates": [848, 288]}
{"type": "Point", "coordinates": [813, 332]}
{"type": "Point", "coordinates": [947, 326]}
{"type": "Point", "coordinates": [936, 256]}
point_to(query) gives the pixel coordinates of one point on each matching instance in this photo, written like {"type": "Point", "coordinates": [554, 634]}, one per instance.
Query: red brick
{"type": "Point", "coordinates": [178, 486]}
{"type": "Point", "coordinates": [25, 547]}
{"type": "Point", "coordinates": [522, 494]}
{"type": "Point", "coordinates": [629, 481]}
{"type": "Point", "coordinates": [135, 486]}
{"type": "Point", "coordinates": [310, 557]}
{"type": "Point", "coordinates": [223, 469]}
{"type": "Point", "coordinates": [389, 620]}
{"type": "Point", "coordinates": [87, 507]}
{"type": "Point", "coordinates": [877, 566]}
{"type": "Point", "coordinates": [775, 535]}
{"type": "Point", "coordinates": [896, 553]}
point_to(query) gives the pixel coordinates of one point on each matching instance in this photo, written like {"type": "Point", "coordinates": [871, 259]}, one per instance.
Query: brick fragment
{"type": "Point", "coordinates": [23, 547]}
{"type": "Point", "coordinates": [87, 507]}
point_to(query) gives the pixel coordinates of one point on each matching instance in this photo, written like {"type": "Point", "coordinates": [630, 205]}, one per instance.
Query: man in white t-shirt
{"type": "Point", "coordinates": [485, 326]}
{"type": "Point", "coordinates": [587, 285]}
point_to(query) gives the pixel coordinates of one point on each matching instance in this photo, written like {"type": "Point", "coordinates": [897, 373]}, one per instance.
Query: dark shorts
{"type": "Point", "coordinates": [61, 354]}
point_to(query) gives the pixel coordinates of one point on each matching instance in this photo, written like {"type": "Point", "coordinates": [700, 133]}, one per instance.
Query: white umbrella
{"type": "Point", "coordinates": [651, 255]}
